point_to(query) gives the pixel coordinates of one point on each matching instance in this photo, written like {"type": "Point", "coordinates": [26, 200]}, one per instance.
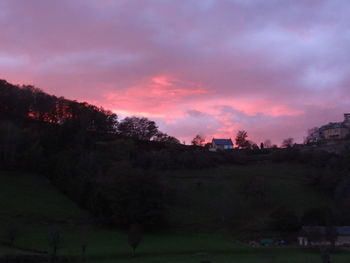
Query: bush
{"type": "Point", "coordinates": [284, 220]}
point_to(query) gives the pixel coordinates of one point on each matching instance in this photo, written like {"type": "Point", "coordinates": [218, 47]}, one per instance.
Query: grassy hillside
{"type": "Point", "coordinates": [241, 196]}
{"type": "Point", "coordinates": [34, 199]}
{"type": "Point", "coordinates": [31, 205]}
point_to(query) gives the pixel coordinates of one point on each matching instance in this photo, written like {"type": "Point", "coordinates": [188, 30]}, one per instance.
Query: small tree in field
{"type": "Point", "coordinates": [134, 237]}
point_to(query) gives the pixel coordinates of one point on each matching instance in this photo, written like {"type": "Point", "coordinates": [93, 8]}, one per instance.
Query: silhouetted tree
{"type": "Point", "coordinates": [163, 137]}
{"type": "Point", "coordinates": [134, 237]}
{"type": "Point", "coordinates": [128, 195]}
{"type": "Point", "coordinates": [288, 143]}
{"type": "Point", "coordinates": [254, 146]}
{"type": "Point", "coordinates": [241, 140]}
{"type": "Point", "coordinates": [284, 220]}
{"type": "Point", "coordinates": [138, 128]}
{"type": "Point", "coordinates": [198, 140]}
{"type": "Point", "coordinates": [320, 216]}
{"type": "Point", "coordinates": [313, 135]}
{"type": "Point", "coordinates": [10, 140]}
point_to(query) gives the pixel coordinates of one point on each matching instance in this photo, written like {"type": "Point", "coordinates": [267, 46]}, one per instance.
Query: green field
{"type": "Point", "coordinates": [196, 212]}
{"type": "Point", "coordinates": [212, 198]}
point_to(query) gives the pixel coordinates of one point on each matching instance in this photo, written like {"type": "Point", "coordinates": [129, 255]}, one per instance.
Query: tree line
{"type": "Point", "coordinates": [242, 142]}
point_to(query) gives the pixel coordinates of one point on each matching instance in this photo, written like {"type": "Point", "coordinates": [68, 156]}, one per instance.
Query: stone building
{"type": "Point", "coordinates": [336, 130]}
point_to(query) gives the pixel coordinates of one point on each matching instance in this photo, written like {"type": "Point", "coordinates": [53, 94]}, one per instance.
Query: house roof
{"type": "Point", "coordinates": [341, 230]}
{"type": "Point", "coordinates": [333, 125]}
{"type": "Point", "coordinates": [222, 141]}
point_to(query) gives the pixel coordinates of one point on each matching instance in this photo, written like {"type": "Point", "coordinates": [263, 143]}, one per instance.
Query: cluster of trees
{"type": "Point", "coordinates": [143, 129]}
{"type": "Point", "coordinates": [28, 102]}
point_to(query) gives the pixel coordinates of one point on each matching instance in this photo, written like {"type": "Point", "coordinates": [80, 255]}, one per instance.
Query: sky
{"type": "Point", "coordinates": [274, 68]}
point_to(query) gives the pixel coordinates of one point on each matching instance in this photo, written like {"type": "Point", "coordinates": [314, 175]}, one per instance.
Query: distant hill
{"type": "Point", "coordinates": [129, 172]}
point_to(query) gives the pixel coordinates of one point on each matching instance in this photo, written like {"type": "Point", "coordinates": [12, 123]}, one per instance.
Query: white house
{"type": "Point", "coordinates": [322, 235]}
{"type": "Point", "coordinates": [221, 144]}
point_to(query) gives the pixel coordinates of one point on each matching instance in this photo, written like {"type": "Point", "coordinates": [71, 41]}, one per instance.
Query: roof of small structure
{"type": "Point", "coordinates": [222, 141]}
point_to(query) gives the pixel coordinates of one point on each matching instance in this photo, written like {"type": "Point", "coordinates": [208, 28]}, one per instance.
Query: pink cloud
{"type": "Point", "coordinates": [154, 95]}
{"type": "Point", "coordinates": [209, 67]}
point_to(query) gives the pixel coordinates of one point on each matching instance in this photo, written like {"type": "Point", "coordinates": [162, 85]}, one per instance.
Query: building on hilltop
{"type": "Point", "coordinates": [324, 236]}
{"type": "Point", "coordinates": [336, 130]}
{"type": "Point", "coordinates": [221, 144]}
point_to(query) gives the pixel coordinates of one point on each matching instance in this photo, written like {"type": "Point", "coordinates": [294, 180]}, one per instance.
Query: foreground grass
{"type": "Point", "coordinates": [33, 203]}
{"type": "Point", "coordinates": [111, 246]}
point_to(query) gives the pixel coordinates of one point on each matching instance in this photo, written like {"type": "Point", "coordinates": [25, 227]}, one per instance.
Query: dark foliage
{"type": "Point", "coordinates": [284, 220]}
{"type": "Point", "coordinates": [138, 128]}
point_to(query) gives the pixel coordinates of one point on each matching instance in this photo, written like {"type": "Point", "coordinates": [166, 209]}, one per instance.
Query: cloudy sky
{"type": "Point", "coordinates": [272, 67]}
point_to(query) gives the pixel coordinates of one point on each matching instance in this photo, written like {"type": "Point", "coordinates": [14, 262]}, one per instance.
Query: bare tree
{"type": "Point", "coordinates": [287, 143]}
{"type": "Point", "coordinates": [241, 140]}
{"type": "Point", "coordinates": [198, 140]}
{"type": "Point", "coordinates": [163, 137]}
{"type": "Point", "coordinates": [313, 135]}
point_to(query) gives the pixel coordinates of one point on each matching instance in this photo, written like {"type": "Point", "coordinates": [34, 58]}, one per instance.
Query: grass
{"type": "Point", "coordinates": [220, 197]}
{"type": "Point", "coordinates": [33, 197]}
{"type": "Point", "coordinates": [111, 246]}
{"type": "Point", "coordinates": [34, 203]}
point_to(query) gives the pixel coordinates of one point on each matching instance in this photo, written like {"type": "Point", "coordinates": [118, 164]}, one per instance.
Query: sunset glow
{"type": "Point", "coordinates": [208, 67]}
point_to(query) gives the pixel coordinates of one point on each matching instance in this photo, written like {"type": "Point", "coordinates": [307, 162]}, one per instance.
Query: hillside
{"type": "Point", "coordinates": [72, 169]}
{"type": "Point", "coordinates": [208, 198]}
{"type": "Point", "coordinates": [30, 206]}
{"type": "Point", "coordinates": [34, 198]}
{"type": "Point", "coordinates": [242, 198]}
{"type": "Point", "coordinates": [33, 204]}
